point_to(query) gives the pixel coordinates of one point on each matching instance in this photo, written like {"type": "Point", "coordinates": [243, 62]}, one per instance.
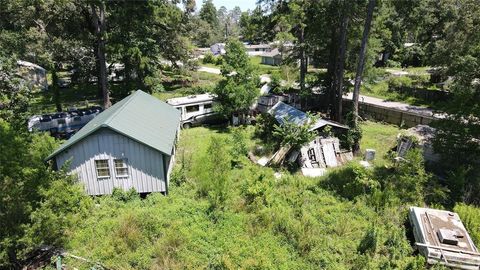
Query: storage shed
{"type": "Point", "coordinates": [129, 145]}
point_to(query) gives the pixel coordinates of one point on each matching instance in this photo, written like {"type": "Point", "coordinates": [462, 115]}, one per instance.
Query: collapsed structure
{"type": "Point", "coordinates": [322, 152]}
{"type": "Point", "coordinates": [420, 136]}
{"type": "Point", "coordinates": [441, 237]}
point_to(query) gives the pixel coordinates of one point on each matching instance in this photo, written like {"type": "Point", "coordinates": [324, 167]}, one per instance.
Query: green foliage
{"type": "Point", "coordinates": [14, 93]}
{"type": "Point", "coordinates": [214, 184]}
{"type": "Point", "coordinates": [63, 204]}
{"type": "Point", "coordinates": [293, 134]}
{"type": "Point", "coordinates": [276, 83]}
{"type": "Point", "coordinates": [124, 196]}
{"type": "Point", "coordinates": [470, 216]}
{"type": "Point", "coordinates": [369, 242]}
{"type": "Point", "coordinates": [23, 177]}
{"type": "Point", "coordinates": [265, 124]}
{"type": "Point", "coordinates": [352, 181]}
{"type": "Point", "coordinates": [354, 133]}
{"type": "Point", "coordinates": [239, 146]}
{"type": "Point", "coordinates": [239, 88]}
{"type": "Point", "coordinates": [208, 13]}
{"type": "Point", "coordinates": [399, 82]}
{"type": "Point", "coordinates": [209, 58]}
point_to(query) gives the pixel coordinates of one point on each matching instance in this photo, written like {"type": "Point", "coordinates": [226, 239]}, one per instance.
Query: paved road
{"type": "Point", "coordinates": [395, 105]}
{"type": "Point", "coordinates": [209, 70]}
{"type": "Point", "coordinates": [363, 99]}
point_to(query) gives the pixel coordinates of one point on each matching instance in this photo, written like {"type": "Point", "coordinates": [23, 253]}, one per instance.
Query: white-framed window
{"type": "Point", "coordinates": [103, 170]}
{"type": "Point", "coordinates": [121, 169]}
{"type": "Point", "coordinates": [192, 108]}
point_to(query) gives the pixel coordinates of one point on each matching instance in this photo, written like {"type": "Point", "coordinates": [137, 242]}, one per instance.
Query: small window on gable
{"type": "Point", "coordinates": [121, 169]}
{"type": "Point", "coordinates": [193, 108]}
{"type": "Point", "coordinates": [103, 170]}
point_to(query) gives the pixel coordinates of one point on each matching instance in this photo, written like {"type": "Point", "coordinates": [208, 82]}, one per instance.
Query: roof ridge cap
{"type": "Point", "coordinates": [109, 119]}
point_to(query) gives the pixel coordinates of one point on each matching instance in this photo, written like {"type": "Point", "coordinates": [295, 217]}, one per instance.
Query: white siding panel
{"type": "Point", "coordinates": [145, 165]}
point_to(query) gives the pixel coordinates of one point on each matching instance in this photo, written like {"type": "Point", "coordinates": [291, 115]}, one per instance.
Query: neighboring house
{"type": "Point", "coordinates": [34, 74]}
{"type": "Point", "coordinates": [272, 58]}
{"type": "Point", "coordinates": [129, 145]}
{"type": "Point", "coordinates": [218, 49]}
{"type": "Point", "coordinates": [257, 49]}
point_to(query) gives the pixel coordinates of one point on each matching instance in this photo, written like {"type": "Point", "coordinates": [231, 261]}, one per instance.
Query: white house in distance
{"type": "Point", "coordinates": [257, 49]}
{"type": "Point", "coordinates": [272, 58]}
{"type": "Point", "coordinates": [34, 74]}
{"type": "Point", "coordinates": [129, 145]}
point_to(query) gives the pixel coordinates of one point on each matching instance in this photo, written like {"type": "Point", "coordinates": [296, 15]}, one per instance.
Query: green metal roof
{"type": "Point", "coordinates": [140, 117]}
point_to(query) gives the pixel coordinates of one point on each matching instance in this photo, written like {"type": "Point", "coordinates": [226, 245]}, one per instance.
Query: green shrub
{"type": "Point", "coordinates": [265, 123]}
{"type": "Point", "coordinates": [351, 181]}
{"type": "Point", "coordinates": [470, 216]}
{"type": "Point", "coordinates": [369, 242]}
{"type": "Point", "coordinates": [218, 61]}
{"type": "Point", "coordinates": [208, 58]}
{"type": "Point", "coordinates": [124, 196]}
{"type": "Point", "coordinates": [292, 134]}
{"type": "Point", "coordinates": [275, 83]}
{"type": "Point", "coordinates": [420, 80]}
{"type": "Point", "coordinates": [399, 82]}
{"type": "Point", "coordinates": [214, 183]}
{"type": "Point", "coordinates": [239, 146]}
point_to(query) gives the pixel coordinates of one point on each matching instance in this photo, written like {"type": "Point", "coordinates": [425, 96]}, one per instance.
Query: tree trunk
{"type": "Point", "coordinates": [339, 71]}
{"type": "Point", "coordinates": [329, 83]}
{"type": "Point", "coordinates": [98, 21]}
{"type": "Point", "coordinates": [303, 67]}
{"type": "Point", "coordinates": [360, 67]}
{"type": "Point", "coordinates": [56, 90]}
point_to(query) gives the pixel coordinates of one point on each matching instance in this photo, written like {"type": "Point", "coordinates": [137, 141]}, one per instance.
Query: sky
{"type": "Point", "coordinates": [230, 4]}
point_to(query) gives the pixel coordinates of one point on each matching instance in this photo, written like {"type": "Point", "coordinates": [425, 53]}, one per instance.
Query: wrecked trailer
{"type": "Point", "coordinates": [441, 237]}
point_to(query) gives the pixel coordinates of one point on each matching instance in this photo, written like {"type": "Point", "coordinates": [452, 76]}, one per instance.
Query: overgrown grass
{"type": "Point", "coordinates": [266, 223]}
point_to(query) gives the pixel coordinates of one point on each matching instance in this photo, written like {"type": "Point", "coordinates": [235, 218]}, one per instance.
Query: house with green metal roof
{"type": "Point", "coordinates": [129, 145]}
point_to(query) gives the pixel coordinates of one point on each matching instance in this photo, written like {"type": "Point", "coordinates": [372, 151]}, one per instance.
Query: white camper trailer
{"type": "Point", "coordinates": [195, 109]}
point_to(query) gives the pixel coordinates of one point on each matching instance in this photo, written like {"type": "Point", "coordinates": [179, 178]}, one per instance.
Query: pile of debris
{"type": "Point", "coordinates": [420, 136]}
{"type": "Point", "coordinates": [441, 237]}
{"type": "Point", "coordinates": [320, 154]}
{"type": "Point", "coordinates": [316, 156]}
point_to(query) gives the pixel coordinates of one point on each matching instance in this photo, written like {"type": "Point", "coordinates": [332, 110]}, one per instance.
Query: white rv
{"type": "Point", "coordinates": [195, 109]}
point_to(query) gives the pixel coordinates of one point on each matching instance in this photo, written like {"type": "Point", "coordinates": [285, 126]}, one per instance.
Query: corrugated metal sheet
{"type": "Point", "coordinates": [284, 112]}
{"type": "Point", "coordinates": [145, 165]}
{"type": "Point", "coordinates": [140, 117]}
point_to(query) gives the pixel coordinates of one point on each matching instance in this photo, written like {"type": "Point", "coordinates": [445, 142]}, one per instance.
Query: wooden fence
{"type": "Point", "coordinates": [391, 115]}
{"type": "Point", "coordinates": [368, 111]}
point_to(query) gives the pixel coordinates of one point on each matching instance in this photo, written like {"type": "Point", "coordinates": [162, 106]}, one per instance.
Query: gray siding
{"type": "Point", "coordinates": [146, 167]}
